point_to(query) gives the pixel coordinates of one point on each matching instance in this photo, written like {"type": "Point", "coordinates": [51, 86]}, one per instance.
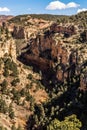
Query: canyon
{"type": "Point", "coordinates": [43, 69]}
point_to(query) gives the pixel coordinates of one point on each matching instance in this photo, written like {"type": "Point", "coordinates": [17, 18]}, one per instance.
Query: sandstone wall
{"type": "Point", "coordinates": [8, 48]}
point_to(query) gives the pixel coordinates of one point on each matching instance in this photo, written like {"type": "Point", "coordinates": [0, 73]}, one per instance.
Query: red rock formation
{"type": "Point", "coordinates": [83, 84]}
{"type": "Point", "coordinates": [43, 50]}
{"type": "Point", "coordinates": [67, 31]}
{"type": "Point", "coordinates": [42, 64]}
{"type": "Point", "coordinates": [18, 32]}
{"type": "Point", "coordinates": [45, 53]}
{"type": "Point", "coordinates": [56, 29]}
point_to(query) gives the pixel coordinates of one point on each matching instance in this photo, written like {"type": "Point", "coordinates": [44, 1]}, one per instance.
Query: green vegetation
{"type": "Point", "coordinates": [4, 85]}
{"type": "Point", "coordinates": [70, 123]}
{"type": "Point", "coordinates": [3, 106]}
{"type": "Point", "coordinates": [66, 105]}
{"type": "Point", "coordinates": [64, 100]}
{"type": "Point", "coordinates": [15, 81]}
{"type": "Point", "coordinates": [10, 66]}
{"type": "Point", "coordinates": [6, 72]}
{"type": "Point", "coordinates": [80, 18]}
{"type": "Point", "coordinates": [29, 76]}
{"type": "Point", "coordinates": [11, 112]}
{"type": "Point", "coordinates": [49, 17]}
{"type": "Point", "coordinates": [5, 109]}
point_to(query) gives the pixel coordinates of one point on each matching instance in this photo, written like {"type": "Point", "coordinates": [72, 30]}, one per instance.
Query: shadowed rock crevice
{"type": "Point", "coordinates": [49, 56]}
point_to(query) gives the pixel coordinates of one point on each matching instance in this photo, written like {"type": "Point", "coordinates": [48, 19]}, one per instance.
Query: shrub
{"type": "Point", "coordinates": [16, 95]}
{"type": "Point", "coordinates": [28, 97]}
{"type": "Point", "coordinates": [22, 92]}
{"type": "Point", "coordinates": [70, 122]}
{"type": "Point", "coordinates": [30, 76]}
{"type": "Point", "coordinates": [4, 86]}
{"type": "Point", "coordinates": [3, 106]}
{"type": "Point", "coordinates": [6, 72]}
{"type": "Point", "coordinates": [11, 112]}
{"type": "Point", "coordinates": [11, 65]}
{"type": "Point", "coordinates": [15, 81]}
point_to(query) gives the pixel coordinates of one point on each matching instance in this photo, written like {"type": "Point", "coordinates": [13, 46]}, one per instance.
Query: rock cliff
{"type": "Point", "coordinates": [50, 55]}
{"type": "Point", "coordinates": [8, 48]}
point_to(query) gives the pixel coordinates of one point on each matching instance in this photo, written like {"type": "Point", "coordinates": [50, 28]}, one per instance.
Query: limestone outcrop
{"type": "Point", "coordinates": [8, 48]}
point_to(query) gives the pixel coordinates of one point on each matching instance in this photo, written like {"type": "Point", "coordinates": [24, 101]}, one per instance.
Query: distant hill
{"type": "Point", "coordinates": [4, 18]}
{"type": "Point", "coordinates": [80, 18]}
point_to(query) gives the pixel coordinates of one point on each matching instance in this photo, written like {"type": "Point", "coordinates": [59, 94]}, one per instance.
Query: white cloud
{"type": "Point", "coordinates": [80, 10]}
{"type": "Point", "coordinates": [4, 9]}
{"type": "Point", "coordinates": [58, 5]}
{"type": "Point", "coordinates": [72, 5]}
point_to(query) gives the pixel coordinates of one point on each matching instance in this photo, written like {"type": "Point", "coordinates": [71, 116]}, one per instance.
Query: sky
{"type": "Point", "coordinates": [58, 7]}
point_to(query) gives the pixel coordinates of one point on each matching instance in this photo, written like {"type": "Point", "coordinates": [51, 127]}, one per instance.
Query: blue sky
{"type": "Point", "coordinates": [65, 7]}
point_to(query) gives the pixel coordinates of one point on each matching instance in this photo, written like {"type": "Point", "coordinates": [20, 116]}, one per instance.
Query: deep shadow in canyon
{"type": "Point", "coordinates": [58, 70]}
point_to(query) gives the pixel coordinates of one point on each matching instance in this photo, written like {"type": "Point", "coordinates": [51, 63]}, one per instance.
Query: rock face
{"type": "Point", "coordinates": [8, 48]}
{"type": "Point", "coordinates": [49, 55]}
{"type": "Point", "coordinates": [28, 27]}
{"type": "Point", "coordinates": [46, 48]}
{"type": "Point", "coordinates": [83, 82]}
{"type": "Point", "coordinates": [18, 32]}
{"type": "Point", "coordinates": [42, 64]}
{"type": "Point", "coordinates": [4, 18]}
{"type": "Point", "coordinates": [67, 31]}
{"type": "Point", "coordinates": [45, 53]}
{"type": "Point", "coordinates": [83, 36]}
